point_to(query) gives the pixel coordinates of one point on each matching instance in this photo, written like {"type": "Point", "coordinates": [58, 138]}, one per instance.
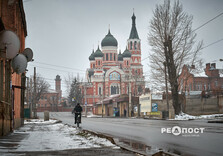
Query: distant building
{"type": "Point", "coordinates": [51, 100]}
{"type": "Point", "coordinates": [210, 80]}
{"type": "Point", "coordinates": [113, 73]}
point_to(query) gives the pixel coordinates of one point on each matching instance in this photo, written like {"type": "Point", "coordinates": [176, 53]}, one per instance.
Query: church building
{"type": "Point", "coordinates": [112, 72]}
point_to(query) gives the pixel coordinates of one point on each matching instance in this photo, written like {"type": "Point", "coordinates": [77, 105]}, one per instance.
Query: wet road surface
{"type": "Point", "coordinates": [147, 133]}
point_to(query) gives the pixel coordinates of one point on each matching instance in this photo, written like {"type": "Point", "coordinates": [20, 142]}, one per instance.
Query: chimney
{"type": "Point", "coordinates": [213, 65]}
{"type": "Point", "coordinates": [208, 66]}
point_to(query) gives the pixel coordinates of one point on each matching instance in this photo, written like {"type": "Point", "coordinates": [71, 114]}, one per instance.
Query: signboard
{"type": "Point", "coordinates": [155, 113]}
{"type": "Point", "coordinates": [114, 76]}
{"type": "Point", "coordinates": [154, 107]}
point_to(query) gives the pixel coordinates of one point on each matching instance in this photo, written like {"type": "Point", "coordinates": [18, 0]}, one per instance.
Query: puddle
{"type": "Point", "coordinates": [140, 148]}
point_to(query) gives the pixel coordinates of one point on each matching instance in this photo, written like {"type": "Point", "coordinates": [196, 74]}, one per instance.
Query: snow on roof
{"type": "Point", "coordinates": [51, 91]}
{"type": "Point", "coordinates": [199, 74]}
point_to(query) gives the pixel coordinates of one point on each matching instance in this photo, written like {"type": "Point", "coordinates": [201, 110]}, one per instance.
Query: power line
{"type": "Point", "coordinates": [213, 43]}
{"type": "Point", "coordinates": [58, 66]}
{"type": "Point", "coordinates": [53, 69]}
{"type": "Point", "coordinates": [208, 22]}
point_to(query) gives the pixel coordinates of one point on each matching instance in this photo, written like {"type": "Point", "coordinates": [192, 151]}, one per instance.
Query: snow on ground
{"type": "Point", "coordinates": [50, 135]}
{"type": "Point", "coordinates": [184, 116]}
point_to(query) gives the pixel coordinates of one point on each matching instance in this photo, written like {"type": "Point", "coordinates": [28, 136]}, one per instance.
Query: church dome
{"type": "Point", "coordinates": [120, 57]}
{"type": "Point", "coordinates": [109, 40]}
{"type": "Point", "coordinates": [98, 53]}
{"type": "Point", "coordinates": [126, 53]}
{"type": "Point", "coordinates": [91, 57]}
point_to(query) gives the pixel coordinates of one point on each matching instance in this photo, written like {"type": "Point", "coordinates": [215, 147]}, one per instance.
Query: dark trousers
{"type": "Point", "coordinates": [76, 114]}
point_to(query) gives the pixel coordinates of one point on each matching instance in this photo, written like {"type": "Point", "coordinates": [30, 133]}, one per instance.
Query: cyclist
{"type": "Point", "coordinates": [77, 110]}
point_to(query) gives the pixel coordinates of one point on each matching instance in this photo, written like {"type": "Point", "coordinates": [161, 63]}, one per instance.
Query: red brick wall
{"type": "Point", "coordinates": [13, 18]}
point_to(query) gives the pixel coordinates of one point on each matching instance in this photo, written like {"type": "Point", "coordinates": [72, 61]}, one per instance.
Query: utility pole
{"type": "Point", "coordinates": [130, 96]}
{"type": "Point", "coordinates": [34, 106]}
{"type": "Point", "coordinates": [31, 98]}
{"type": "Point", "coordinates": [85, 99]}
{"type": "Point", "coordinates": [27, 93]}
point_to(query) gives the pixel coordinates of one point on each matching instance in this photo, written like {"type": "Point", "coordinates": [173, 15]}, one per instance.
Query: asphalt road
{"type": "Point", "coordinates": [148, 133]}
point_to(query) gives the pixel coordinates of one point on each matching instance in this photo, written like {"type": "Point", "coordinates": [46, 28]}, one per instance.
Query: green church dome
{"type": "Point", "coordinates": [98, 53]}
{"type": "Point", "coordinates": [126, 53]}
{"type": "Point", "coordinates": [91, 57]}
{"type": "Point", "coordinates": [109, 40]}
{"type": "Point", "coordinates": [120, 57]}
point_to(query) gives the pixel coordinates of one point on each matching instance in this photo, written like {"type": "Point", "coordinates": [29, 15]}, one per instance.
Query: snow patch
{"type": "Point", "coordinates": [51, 135]}
{"type": "Point", "coordinates": [184, 116]}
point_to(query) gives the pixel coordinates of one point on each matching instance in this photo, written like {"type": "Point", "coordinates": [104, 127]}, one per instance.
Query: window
{"type": "Point", "coordinates": [114, 57]}
{"type": "Point", "coordinates": [216, 83]}
{"type": "Point", "coordinates": [139, 45]}
{"type": "Point", "coordinates": [99, 91]}
{"type": "Point", "coordinates": [135, 45]}
{"type": "Point", "coordinates": [93, 65]}
{"type": "Point", "coordinates": [205, 87]}
{"type": "Point", "coordinates": [111, 57]}
{"type": "Point", "coordinates": [114, 90]}
{"type": "Point", "coordinates": [99, 63]}
{"type": "Point", "coordinates": [106, 57]}
{"type": "Point", "coordinates": [127, 63]}
{"type": "Point", "coordinates": [131, 45]}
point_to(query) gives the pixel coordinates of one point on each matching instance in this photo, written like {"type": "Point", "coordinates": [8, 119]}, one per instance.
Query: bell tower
{"type": "Point", "coordinates": [58, 86]}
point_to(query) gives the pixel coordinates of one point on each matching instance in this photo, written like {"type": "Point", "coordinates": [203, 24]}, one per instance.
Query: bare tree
{"type": "Point", "coordinates": [68, 81]}
{"type": "Point", "coordinates": [42, 87]}
{"type": "Point", "coordinates": [173, 41]}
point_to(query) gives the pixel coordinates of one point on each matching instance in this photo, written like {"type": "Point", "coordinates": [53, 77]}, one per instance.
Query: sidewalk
{"type": "Point", "coordinates": [41, 138]}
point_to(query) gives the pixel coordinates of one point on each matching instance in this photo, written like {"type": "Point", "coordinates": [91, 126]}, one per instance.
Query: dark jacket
{"type": "Point", "coordinates": [77, 108]}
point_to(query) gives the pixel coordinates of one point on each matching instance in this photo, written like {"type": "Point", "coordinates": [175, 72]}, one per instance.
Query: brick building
{"type": "Point", "coordinates": [113, 73]}
{"type": "Point", "coordinates": [51, 101]}
{"type": "Point", "coordinates": [12, 17]}
{"type": "Point", "coordinates": [209, 80]}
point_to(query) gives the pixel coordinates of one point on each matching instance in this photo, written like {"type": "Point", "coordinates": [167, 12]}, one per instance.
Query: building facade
{"type": "Point", "coordinates": [12, 17]}
{"type": "Point", "coordinates": [51, 101]}
{"type": "Point", "coordinates": [210, 80]}
{"type": "Point", "coordinates": [112, 72]}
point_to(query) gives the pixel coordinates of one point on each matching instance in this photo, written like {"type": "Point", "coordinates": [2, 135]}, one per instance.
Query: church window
{"type": "Point", "coordinates": [99, 63]}
{"type": "Point", "coordinates": [111, 57]}
{"type": "Point", "coordinates": [106, 57]}
{"type": "Point", "coordinates": [139, 45]}
{"type": "Point", "coordinates": [127, 63]}
{"type": "Point", "coordinates": [114, 57]}
{"type": "Point", "coordinates": [135, 45]}
{"type": "Point", "coordinates": [131, 45]}
{"type": "Point", "coordinates": [99, 91]}
{"type": "Point", "coordinates": [93, 65]}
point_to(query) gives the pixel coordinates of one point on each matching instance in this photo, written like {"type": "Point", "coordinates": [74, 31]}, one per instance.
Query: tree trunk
{"type": "Point", "coordinates": [172, 75]}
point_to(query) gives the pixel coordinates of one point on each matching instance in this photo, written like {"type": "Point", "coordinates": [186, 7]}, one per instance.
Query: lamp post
{"type": "Point", "coordinates": [103, 94]}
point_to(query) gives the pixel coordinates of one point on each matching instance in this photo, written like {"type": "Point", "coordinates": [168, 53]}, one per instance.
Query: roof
{"type": "Point", "coordinates": [91, 57]}
{"type": "Point", "coordinates": [126, 53]}
{"type": "Point", "coordinates": [98, 53]}
{"type": "Point", "coordinates": [199, 74]}
{"type": "Point", "coordinates": [109, 40]}
{"type": "Point", "coordinates": [120, 57]}
{"type": "Point", "coordinates": [133, 33]}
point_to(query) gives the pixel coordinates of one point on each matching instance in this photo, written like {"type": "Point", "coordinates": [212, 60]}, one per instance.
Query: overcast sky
{"type": "Point", "coordinates": [64, 32]}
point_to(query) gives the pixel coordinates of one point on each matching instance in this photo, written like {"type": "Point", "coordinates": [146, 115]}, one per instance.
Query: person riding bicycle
{"type": "Point", "coordinates": [77, 110]}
